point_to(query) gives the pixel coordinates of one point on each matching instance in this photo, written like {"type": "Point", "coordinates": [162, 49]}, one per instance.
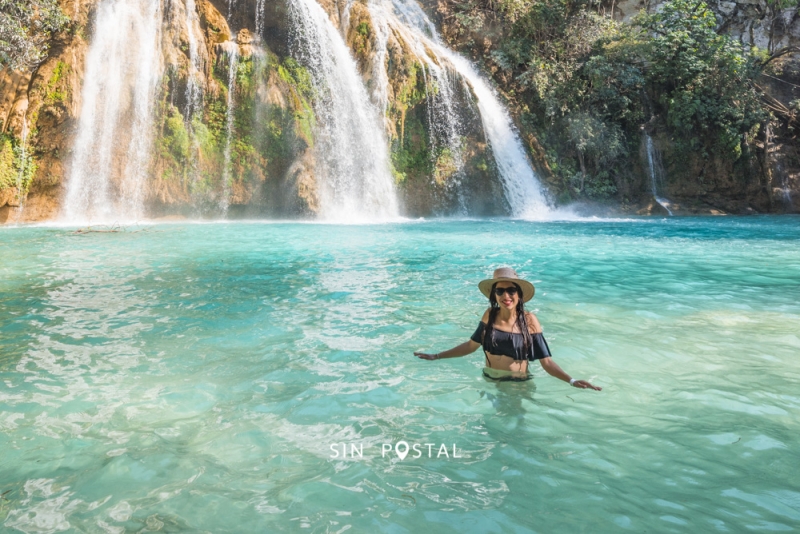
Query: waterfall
{"type": "Point", "coordinates": [111, 155]}
{"type": "Point", "coordinates": [353, 173]}
{"type": "Point", "coordinates": [521, 186]}
{"type": "Point", "coordinates": [232, 51]}
{"type": "Point", "coordinates": [193, 103]}
{"type": "Point", "coordinates": [787, 192]}
{"type": "Point", "coordinates": [260, 7]}
{"type": "Point", "coordinates": [443, 115]}
{"type": "Point", "coordinates": [656, 170]}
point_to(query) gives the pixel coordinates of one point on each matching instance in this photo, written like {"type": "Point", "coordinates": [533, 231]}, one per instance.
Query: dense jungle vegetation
{"type": "Point", "coordinates": [586, 85]}
{"type": "Point", "coordinates": [25, 28]}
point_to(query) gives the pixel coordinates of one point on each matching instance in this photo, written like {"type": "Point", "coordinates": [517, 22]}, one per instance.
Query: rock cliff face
{"type": "Point", "coordinates": [767, 181]}
{"type": "Point", "coordinates": [37, 113]}
{"type": "Point", "coordinates": [234, 119]}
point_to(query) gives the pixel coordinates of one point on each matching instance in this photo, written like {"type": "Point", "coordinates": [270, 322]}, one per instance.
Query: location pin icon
{"type": "Point", "coordinates": [402, 454]}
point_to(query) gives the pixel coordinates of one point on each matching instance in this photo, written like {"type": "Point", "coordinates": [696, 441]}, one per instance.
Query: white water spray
{"type": "Point", "coordinates": [523, 191]}
{"type": "Point", "coordinates": [232, 51]}
{"type": "Point", "coordinates": [656, 169]}
{"type": "Point", "coordinates": [260, 7]}
{"type": "Point", "coordinates": [193, 100]}
{"type": "Point", "coordinates": [112, 150]}
{"type": "Point", "coordinates": [352, 160]}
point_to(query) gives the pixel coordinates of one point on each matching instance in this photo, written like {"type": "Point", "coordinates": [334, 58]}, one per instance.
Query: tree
{"type": "Point", "coordinates": [25, 28]}
{"type": "Point", "coordinates": [703, 80]}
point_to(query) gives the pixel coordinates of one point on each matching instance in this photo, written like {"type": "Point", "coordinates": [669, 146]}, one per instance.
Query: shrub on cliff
{"type": "Point", "coordinates": [702, 80]}
{"type": "Point", "coordinates": [25, 28]}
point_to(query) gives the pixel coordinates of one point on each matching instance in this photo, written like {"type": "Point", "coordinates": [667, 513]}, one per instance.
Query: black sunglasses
{"type": "Point", "coordinates": [500, 291]}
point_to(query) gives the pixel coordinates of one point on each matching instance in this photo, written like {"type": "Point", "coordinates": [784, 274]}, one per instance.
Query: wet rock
{"type": "Point", "coordinates": [653, 207]}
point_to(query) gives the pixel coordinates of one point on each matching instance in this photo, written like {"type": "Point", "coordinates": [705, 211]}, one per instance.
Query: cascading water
{"type": "Point", "coordinates": [786, 190]}
{"type": "Point", "coordinates": [787, 193]}
{"type": "Point", "coordinates": [656, 169]}
{"type": "Point", "coordinates": [443, 116]}
{"type": "Point", "coordinates": [260, 7]}
{"type": "Point", "coordinates": [232, 53]}
{"type": "Point", "coordinates": [522, 188]}
{"type": "Point", "coordinates": [112, 150]}
{"type": "Point", "coordinates": [193, 103]}
{"type": "Point", "coordinates": [352, 160]}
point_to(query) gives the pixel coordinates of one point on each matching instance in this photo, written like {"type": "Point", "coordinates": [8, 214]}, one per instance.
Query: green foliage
{"type": "Point", "coordinates": [175, 140]}
{"type": "Point", "coordinates": [445, 166]}
{"type": "Point", "coordinates": [8, 176]}
{"type": "Point", "coordinates": [55, 92]}
{"type": "Point", "coordinates": [25, 28]}
{"type": "Point", "coordinates": [245, 74]}
{"type": "Point", "coordinates": [26, 166]}
{"type": "Point", "coordinates": [411, 156]}
{"type": "Point", "coordinates": [17, 166]}
{"type": "Point", "coordinates": [586, 84]}
{"type": "Point", "coordinates": [704, 79]}
{"type": "Point", "coordinates": [298, 77]}
{"type": "Point", "coordinates": [216, 119]}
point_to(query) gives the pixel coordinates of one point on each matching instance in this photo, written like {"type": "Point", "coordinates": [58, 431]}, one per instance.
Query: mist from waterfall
{"type": "Point", "coordinates": [523, 191]}
{"type": "Point", "coordinates": [110, 162]}
{"type": "Point", "coordinates": [353, 169]}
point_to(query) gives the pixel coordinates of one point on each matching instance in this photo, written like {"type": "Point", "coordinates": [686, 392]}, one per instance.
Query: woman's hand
{"type": "Point", "coordinates": [465, 348]}
{"type": "Point", "coordinates": [583, 384]}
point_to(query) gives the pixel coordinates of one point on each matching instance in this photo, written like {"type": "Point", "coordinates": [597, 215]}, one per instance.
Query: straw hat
{"type": "Point", "coordinates": [507, 274]}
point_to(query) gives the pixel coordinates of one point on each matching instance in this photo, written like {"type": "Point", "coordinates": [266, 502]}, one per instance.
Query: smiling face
{"type": "Point", "coordinates": [507, 300]}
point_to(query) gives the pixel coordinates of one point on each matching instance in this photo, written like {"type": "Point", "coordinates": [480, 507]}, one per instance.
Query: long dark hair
{"type": "Point", "coordinates": [522, 321]}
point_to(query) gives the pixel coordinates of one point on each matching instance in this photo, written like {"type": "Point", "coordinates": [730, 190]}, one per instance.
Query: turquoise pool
{"type": "Point", "coordinates": [199, 377]}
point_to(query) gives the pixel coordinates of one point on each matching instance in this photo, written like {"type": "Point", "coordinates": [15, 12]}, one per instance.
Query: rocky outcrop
{"type": "Point", "coordinates": [768, 181]}
{"type": "Point", "coordinates": [271, 134]}
{"type": "Point", "coordinates": [46, 103]}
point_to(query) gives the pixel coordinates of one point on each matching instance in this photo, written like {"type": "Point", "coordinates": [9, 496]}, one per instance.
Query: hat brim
{"type": "Point", "coordinates": [527, 288]}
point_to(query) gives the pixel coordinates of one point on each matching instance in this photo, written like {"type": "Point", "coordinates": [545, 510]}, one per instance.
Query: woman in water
{"type": "Point", "coordinates": [509, 335]}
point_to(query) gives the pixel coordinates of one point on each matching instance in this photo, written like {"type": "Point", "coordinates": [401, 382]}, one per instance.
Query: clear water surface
{"type": "Point", "coordinates": [193, 377]}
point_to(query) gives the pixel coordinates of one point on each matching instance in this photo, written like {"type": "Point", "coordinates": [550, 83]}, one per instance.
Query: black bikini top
{"type": "Point", "coordinates": [511, 344]}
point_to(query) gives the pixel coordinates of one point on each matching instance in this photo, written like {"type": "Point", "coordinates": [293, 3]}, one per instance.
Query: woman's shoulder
{"type": "Point", "coordinates": [485, 318]}
{"type": "Point", "coordinates": [533, 323]}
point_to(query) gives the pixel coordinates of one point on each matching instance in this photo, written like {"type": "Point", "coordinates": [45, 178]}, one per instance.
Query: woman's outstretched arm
{"type": "Point", "coordinates": [465, 348]}
{"type": "Point", "coordinates": [461, 350]}
{"type": "Point", "coordinates": [553, 369]}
